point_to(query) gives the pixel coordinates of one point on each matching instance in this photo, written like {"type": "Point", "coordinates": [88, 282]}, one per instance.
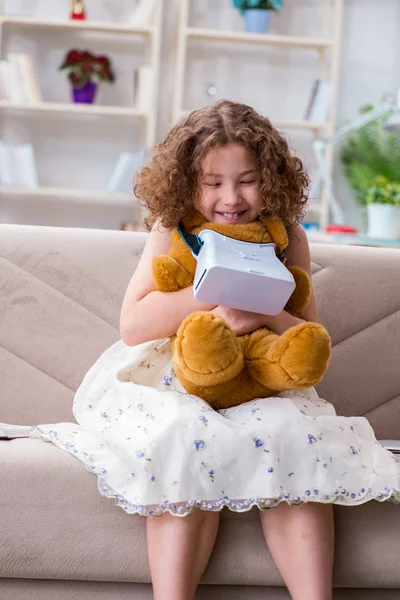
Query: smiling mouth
{"type": "Point", "coordinates": [231, 215]}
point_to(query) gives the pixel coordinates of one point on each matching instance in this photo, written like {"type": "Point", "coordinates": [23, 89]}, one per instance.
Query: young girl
{"type": "Point", "coordinates": [161, 452]}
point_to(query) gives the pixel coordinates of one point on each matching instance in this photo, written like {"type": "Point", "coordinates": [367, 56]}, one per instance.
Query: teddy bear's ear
{"type": "Point", "coordinates": [195, 220]}
{"type": "Point", "coordinates": [278, 233]}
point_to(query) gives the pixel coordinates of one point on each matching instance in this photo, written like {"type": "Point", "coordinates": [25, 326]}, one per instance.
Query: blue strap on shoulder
{"type": "Point", "coordinates": [191, 240]}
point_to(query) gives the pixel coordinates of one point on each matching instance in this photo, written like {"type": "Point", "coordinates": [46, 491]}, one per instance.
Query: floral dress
{"type": "Point", "coordinates": [155, 449]}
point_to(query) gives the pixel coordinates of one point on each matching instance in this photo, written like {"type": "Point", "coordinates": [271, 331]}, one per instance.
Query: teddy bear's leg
{"type": "Point", "coordinates": [169, 275]}
{"type": "Point", "coordinates": [296, 359]}
{"type": "Point", "coordinates": [206, 351]}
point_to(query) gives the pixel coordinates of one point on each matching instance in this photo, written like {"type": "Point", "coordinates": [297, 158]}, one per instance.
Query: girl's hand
{"type": "Point", "coordinates": [240, 321]}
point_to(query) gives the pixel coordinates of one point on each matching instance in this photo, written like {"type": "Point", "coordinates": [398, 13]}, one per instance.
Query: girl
{"type": "Point", "coordinates": [161, 452]}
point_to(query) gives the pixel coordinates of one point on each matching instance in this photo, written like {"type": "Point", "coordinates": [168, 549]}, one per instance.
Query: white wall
{"type": "Point", "coordinates": [277, 82]}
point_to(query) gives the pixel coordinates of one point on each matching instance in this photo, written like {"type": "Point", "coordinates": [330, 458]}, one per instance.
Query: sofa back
{"type": "Point", "coordinates": [61, 292]}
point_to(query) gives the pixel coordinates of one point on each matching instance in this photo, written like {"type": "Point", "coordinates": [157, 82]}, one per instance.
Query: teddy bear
{"type": "Point", "coordinates": [212, 362]}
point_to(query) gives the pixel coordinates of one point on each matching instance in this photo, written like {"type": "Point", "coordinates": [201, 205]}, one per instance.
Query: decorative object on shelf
{"type": "Point", "coordinates": [84, 67]}
{"type": "Point", "coordinates": [383, 205]}
{"type": "Point", "coordinates": [78, 10]}
{"type": "Point", "coordinates": [257, 13]}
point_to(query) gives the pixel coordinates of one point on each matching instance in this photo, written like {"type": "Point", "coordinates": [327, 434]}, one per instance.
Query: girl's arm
{"type": "Point", "coordinates": [147, 314]}
{"type": "Point", "coordinates": [298, 253]}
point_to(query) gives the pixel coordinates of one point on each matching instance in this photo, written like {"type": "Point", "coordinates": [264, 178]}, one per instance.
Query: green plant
{"type": "Point", "coordinates": [369, 153]}
{"type": "Point", "coordinates": [260, 4]}
{"type": "Point", "coordinates": [382, 191]}
{"type": "Point", "coordinates": [85, 66]}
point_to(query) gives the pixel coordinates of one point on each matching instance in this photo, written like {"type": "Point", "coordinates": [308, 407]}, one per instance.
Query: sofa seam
{"type": "Point", "coordinates": [37, 368]}
{"type": "Point", "coordinates": [58, 291]}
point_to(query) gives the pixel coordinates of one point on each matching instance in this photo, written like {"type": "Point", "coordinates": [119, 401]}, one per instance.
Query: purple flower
{"type": "Point", "coordinates": [353, 450]}
{"type": "Point", "coordinates": [258, 443]}
{"type": "Point", "coordinates": [270, 470]}
{"type": "Point", "coordinates": [133, 475]}
{"type": "Point", "coordinates": [211, 472]}
{"type": "Point", "coordinates": [167, 380]}
{"type": "Point", "coordinates": [202, 418]}
{"type": "Point", "coordinates": [139, 453]}
{"type": "Point", "coordinates": [140, 406]}
{"type": "Point", "coordinates": [152, 478]}
{"type": "Point", "coordinates": [198, 444]}
{"type": "Point", "coordinates": [311, 439]}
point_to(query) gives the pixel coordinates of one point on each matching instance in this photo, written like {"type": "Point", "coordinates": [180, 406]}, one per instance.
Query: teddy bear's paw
{"type": "Point", "coordinates": [206, 351]}
{"type": "Point", "coordinates": [299, 357]}
{"type": "Point", "coordinates": [169, 275]}
{"type": "Point", "coordinates": [301, 296]}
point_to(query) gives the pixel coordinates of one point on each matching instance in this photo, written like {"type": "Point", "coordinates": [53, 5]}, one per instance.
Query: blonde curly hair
{"type": "Point", "coordinates": [168, 187]}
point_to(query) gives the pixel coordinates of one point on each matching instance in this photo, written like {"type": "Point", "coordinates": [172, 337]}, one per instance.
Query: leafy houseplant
{"type": "Point", "coordinates": [368, 153]}
{"type": "Point", "coordinates": [84, 68]}
{"type": "Point", "coordinates": [371, 161]}
{"type": "Point", "coordinates": [257, 13]}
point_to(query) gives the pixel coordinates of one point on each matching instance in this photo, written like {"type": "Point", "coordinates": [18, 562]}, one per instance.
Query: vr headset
{"type": "Point", "coordinates": [236, 274]}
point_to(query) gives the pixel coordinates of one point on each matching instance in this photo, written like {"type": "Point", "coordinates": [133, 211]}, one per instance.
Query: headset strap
{"type": "Point", "coordinates": [194, 242]}
{"type": "Point", "coordinates": [191, 240]}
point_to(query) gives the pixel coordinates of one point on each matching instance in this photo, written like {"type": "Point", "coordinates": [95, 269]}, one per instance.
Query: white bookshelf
{"type": "Point", "coordinates": [72, 109]}
{"type": "Point", "coordinates": [76, 195]}
{"type": "Point", "coordinates": [325, 42]}
{"type": "Point", "coordinates": [26, 22]}
{"type": "Point", "coordinates": [134, 123]}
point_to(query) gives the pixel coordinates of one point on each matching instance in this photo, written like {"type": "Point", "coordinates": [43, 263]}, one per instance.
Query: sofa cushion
{"type": "Point", "coordinates": [55, 525]}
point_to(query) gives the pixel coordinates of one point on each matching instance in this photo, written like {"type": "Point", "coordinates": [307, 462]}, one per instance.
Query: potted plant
{"type": "Point", "coordinates": [257, 13]}
{"type": "Point", "coordinates": [383, 204]}
{"type": "Point", "coordinates": [84, 68]}
{"type": "Point", "coordinates": [371, 161]}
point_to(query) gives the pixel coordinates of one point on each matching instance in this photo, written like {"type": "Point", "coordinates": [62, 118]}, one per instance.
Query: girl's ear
{"type": "Point", "coordinates": [277, 231]}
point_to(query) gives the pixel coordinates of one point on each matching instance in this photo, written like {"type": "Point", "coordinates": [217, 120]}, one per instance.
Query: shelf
{"type": "Point", "coordinates": [101, 26]}
{"type": "Point", "coordinates": [281, 123]}
{"type": "Point", "coordinates": [84, 109]}
{"type": "Point", "coordinates": [73, 195]}
{"type": "Point", "coordinates": [257, 38]}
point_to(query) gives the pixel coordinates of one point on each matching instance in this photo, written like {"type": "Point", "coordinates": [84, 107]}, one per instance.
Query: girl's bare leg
{"type": "Point", "coordinates": [301, 541]}
{"type": "Point", "coordinates": [179, 549]}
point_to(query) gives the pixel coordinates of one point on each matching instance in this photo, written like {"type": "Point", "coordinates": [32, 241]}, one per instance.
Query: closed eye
{"type": "Point", "coordinates": [248, 182]}
{"type": "Point", "coordinates": [213, 185]}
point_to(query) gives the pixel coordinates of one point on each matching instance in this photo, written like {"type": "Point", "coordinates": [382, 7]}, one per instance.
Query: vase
{"type": "Point", "coordinates": [383, 221]}
{"type": "Point", "coordinates": [257, 20]}
{"type": "Point", "coordinates": [85, 94]}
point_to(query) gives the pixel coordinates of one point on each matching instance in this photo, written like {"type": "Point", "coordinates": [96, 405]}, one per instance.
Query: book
{"type": "Point", "coordinates": [26, 167]}
{"type": "Point", "coordinates": [143, 93]}
{"type": "Point", "coordinates": [18, 81]}
{"type": "Point", "coordinates": [318, 109]}
{"type": "Point", "coordinates": [17, 165]}
{"type": "Point", "coordinates": [311, 99]}
{"type": "Point", "coordinates": [122, 177]}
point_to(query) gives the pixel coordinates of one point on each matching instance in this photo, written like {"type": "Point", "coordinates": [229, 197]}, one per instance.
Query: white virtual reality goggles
{"type": "Point", "coordinates": [243, 275]}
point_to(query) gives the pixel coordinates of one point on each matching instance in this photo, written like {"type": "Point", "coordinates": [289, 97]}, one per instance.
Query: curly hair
{"type": "Point", "coordinates": [168, 186]}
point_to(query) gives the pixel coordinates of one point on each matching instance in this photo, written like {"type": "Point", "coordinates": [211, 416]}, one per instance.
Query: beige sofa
{"type": "Point", "coordinates": [61, 290]}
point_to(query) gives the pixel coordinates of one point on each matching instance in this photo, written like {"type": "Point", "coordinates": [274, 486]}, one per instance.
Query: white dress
{"type": "Point", "coordinates": [154, 448]}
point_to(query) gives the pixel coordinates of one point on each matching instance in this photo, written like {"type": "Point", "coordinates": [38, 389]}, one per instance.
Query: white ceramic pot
{"type": "Point", "coordinates": [383, 221]}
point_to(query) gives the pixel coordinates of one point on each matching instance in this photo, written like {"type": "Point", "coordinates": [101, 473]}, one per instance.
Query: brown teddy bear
{"type": "Point", "coordinates": [216, 365]}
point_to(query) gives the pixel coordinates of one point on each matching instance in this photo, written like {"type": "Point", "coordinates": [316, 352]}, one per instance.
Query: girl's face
{"type": "Point", "coordinates": [230, 185]}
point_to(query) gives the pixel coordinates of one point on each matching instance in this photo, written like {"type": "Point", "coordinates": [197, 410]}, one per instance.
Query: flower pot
{"type": "Point", "coordinates": [86, 94]}
{"type": "Point", "coordinates": [383, 221]}
{"type": "Point", "coordinates": [257, 20]}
